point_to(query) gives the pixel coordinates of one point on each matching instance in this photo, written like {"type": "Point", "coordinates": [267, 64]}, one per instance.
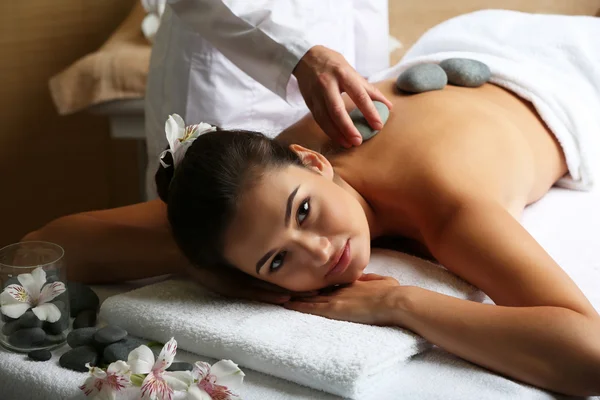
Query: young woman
{"type": "Point", "coordinates": [452, 169]}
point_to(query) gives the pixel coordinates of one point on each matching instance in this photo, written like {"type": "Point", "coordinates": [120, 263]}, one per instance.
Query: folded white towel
{"type": "Point", "coordinates": [550, 60]}
{"type": "Point", "coordinates": [339, 357]}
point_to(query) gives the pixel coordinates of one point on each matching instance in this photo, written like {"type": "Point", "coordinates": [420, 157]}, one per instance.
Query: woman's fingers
{"type": "Point", "coordinates": [371, 277]}
{"type": "Point", "coordinates": [356, 90]}
{"type": "Point", "coordinates": [376, 95]}
{"type": "Point", "coordinates": [339, 115]}
{"type": "Point", "coordinates": [323, 118]}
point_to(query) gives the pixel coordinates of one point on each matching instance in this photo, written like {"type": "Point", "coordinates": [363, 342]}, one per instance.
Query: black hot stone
{"type": "Point", "coordinates": [76, 359]}
{"type": "Point", "coordinates": [110, 334]}
{"type": "Point", "coordinates": [40, 355]}
{"type": "Point", "coordinates": [85, 319]}
{"type": "Point", "coordinates": [180, 366]}
{"type": "Point", "coordinates": [81, 297]}
{"type": "Point", "coordinates": [81, 337]}
{"type": "Point", "coordinates": [120, 350]}
{"type": "Point", "coordinates": [27, 337]}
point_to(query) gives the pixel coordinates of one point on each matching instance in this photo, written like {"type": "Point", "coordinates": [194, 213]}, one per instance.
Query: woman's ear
{"type": "Point", "coordinates": [314, 160]}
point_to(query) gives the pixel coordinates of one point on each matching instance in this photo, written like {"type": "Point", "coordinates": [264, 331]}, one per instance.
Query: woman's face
{"type": "Point", "coordinates": [298, 229]}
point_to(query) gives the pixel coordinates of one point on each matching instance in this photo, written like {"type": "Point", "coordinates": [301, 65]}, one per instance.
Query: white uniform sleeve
{"type": "Point", "coordinates": [261, 37]}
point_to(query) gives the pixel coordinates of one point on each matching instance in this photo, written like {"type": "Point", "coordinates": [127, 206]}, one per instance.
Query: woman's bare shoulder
{"type": "Point", "coordinates": [150, 214]}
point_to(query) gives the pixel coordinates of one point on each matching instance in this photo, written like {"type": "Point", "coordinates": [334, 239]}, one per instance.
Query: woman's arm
{"type": "Point", "coordinates": [134, 242]}
{"type": "Point", "coordinates": [115, 245]}
{"type": "Point", "coordinates": [543, 330]}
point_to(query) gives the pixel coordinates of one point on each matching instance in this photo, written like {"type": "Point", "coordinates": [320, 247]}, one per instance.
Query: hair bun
{"type": "Point", "coordinates": [163, 177]}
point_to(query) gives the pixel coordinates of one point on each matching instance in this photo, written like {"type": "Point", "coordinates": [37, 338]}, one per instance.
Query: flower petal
{"type": "Point", "coordinates": [119, 367]}
{"type": "Point", "coordinates": [154, 387]}
{"type": "Point", "coordinates": [178, 380]}
{"type": "Point", "coordinates": [47, 312]}
{"type": "Point", "coordinates": [49, 292]}
{"type": "Point", "coordinates": [106, 393]}
{"type": "Point", "coordinates": [10, 306]}
{"type": "Point", "coordinates": [141, 360]}
{"type": "Point", "coordinates": [33, 282]}
{"type": "Point", "coordinates": [201, 370]}
{"type": "Point", "coordinates": [195, 393]}
{"type": "Point", "coordinates": [15, 294]}
{"type": "Point", "coordinates": [89, 387]}
{"type": "Point", "coordinates": [39, 276]}
{"type": "Point", "coordinates": [166, 356]}
{"type": "Point", "coordinates": [228, 374]}
{"type": "Point", "coordinates": [174, 129]}
{"type": "Point", "coordinates": [96, 372]}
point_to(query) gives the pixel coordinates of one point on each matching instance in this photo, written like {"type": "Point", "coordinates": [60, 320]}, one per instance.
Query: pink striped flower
{"type": "Point", "coordinates": [16, 299]}
{"type": "Point", "coordinates": [217, 382]}
{"type": "Point", "coordinates": [159, 384]}
{"type": "Point", "coordinates": [104, 385]}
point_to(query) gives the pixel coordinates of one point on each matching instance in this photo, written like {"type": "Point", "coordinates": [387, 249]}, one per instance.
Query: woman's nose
{"type": "Point", "coordinates": [317, 247]}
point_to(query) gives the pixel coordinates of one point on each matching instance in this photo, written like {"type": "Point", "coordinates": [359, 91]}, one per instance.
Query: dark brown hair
{"type": "Point", "coordinates": [202, 193]}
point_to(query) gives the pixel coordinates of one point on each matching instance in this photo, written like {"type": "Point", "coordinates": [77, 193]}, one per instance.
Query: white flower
{"type": "Point", "coordinates": [159, 383]}
{"type": "Point", "coordinates": [217, 382]}
{"type": "Point", "coordinates": [103, 385]}
{"type": "Point", "coordinates": [16, 299]}
{"type": "Point", "coordinates": [181, 137]}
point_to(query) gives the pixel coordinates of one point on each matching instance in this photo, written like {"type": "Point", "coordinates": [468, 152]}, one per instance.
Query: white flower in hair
{"type": "Point", "coordinates": [180, 137]}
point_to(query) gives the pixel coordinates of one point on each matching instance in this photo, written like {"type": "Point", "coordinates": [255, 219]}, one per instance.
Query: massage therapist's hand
{"type": "Point", "coordinates": [240, 286]}
{"type": "Point", "coordinates": [369, 300]}
{"type": "Point", "coordinates": [323, 74]}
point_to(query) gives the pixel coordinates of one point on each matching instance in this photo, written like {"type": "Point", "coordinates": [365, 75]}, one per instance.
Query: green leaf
{"type": "Point", "coordinates": [155, 344]}
{"type": "Point", "coordinates": [137, 379]}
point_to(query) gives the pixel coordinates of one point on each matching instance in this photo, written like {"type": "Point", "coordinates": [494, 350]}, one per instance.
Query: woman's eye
{"type": "Point", "coordinates": [277, 261]}
{"type": "Point", "coordinates": [303, 210]}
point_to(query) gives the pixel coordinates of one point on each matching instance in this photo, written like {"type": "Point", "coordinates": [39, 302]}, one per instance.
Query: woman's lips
{"type": "Point", "coordinates": [343, 262]}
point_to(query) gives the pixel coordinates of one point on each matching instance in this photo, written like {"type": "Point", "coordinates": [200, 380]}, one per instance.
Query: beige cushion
{"type": "Point", "coordinates": [118, 70]}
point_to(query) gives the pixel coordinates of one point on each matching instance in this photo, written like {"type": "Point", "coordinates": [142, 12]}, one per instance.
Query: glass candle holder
{"type": "Point", "coordinates": [34, 312]}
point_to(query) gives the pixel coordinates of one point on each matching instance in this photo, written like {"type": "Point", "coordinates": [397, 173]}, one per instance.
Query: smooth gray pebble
{"type": "Point", "coordinates": [422, 78]}
{"type": "Point", "coordinates": [466, 72]}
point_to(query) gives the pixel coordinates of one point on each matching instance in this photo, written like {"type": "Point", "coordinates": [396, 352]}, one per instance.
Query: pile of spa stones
{"type": "Point", "coordinates": [424, 78]}
{"type": "Point", "coordinates": [455, 71]}
{"type": "Point", "coordinates": [28, 331]}
{"type": "Point", "coordinates": [102, 346]}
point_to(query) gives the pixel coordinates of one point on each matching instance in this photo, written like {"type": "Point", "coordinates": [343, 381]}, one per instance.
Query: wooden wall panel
{"type": "Point", "coordinates": [409, 19]}
{"type": "Point", "coordinates": [51, 165]}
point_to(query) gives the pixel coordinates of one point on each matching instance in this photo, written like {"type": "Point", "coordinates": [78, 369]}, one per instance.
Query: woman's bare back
{"type": "Point", "coordinates": [484, 140]}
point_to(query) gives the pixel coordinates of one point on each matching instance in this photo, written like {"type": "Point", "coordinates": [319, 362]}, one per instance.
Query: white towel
{"type": "Point", "coordinates": [339, 357]}
{"type": "Point", "coordinates": [551, 60]}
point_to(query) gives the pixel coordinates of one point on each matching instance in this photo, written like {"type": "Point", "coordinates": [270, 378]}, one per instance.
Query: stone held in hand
{"type": "Point", "coordinates": [109, 334]}
{"type": "Point", "coordinates": [81, 337]}
{"type": "Point", "coordinates": [120, 350]}
{"type": "Point", "coordinates": [85, 319]}
{"type": "Point", "coordinates": [40, 355]}
{"type": "Point", "coordinates": [75, 359]}
{"type": "Point", "coordinates": [466, 72]}
{"type": "Point", "coordinates": [180, 366]}
{"type": "Point", "coordinates": [422, 78]}
{"type": "Point", "coordinates": [361, 123]}
{"type": "Point", "coordinates": [81, 297]}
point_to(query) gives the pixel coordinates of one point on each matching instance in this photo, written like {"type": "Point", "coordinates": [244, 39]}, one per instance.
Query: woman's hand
{"type": "Point", "coordinates": [369, 300]}
{"type": "Point", "coordinates": [239, 285]}
{"type": "Point", "coordinates": [323, 75]}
